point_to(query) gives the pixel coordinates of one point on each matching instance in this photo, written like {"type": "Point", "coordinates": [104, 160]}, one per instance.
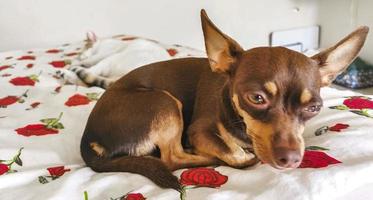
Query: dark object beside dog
{"type": "Point", "coordinates": [358, 75]}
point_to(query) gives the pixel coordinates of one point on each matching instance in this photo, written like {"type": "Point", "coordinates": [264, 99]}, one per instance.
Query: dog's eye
{"type": "Point", "coordinates": [256, 99]}
{"type": "Point", "coordinates": [313, 108]}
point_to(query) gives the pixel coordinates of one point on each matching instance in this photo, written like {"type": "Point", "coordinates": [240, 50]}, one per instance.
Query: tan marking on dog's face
{"type": "Point", "coordinates": [260, 133]}
{"type": "Point", "coordinates": [97, 148]}
{"type": "Point", "coordinates": [306, 96]}
{"type": "Point", "coordinates": [300, 139]}
{"type": "Point", "coordinates": [271, 87]}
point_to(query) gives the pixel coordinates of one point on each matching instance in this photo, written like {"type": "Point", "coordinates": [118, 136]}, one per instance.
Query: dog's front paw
{"type": "Point", "coordinates": [241, 159]}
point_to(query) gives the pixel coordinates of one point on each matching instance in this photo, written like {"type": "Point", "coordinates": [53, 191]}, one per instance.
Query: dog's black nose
{"type": "Point", "coordinates": [287, 158]}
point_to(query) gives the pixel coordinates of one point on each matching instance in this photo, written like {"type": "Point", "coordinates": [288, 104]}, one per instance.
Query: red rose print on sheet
{"type": "Point", "coordinates": [57, 171]}
{"type": "Point", "coordinates": [9, 100]}
{"type": "Point", "coordinates": [26, 58]}
{"type": "Point", "coordinates": [54, 173]}
{"type": "Point", "coordinates": [317, 159]}
{"type": "Point", "coordinates": [48, 126]}
{"type": "Point", "coordinates": [6, 165]}
{"type": "Point", "coordinates": [360, 105]}
{"type": "Point", "coordinates": [4, 67]}
{"type": "Point", "coordinates": [33, 105]}
{"type": "Point", "coordinates": [29, 66]}
{"type": "Point", "coordinates": [128, 196]}
{"type": "Point", "coordinates": [172, 51]}
{"type": "Point", "coordinates": [53, 51]}
{"type": "Point", "coordinates": [202, 177]}
{"type": "Point", "coordinates": [5, 75]}
{"type": "Point", "coordinates": [134, 196]}
{"type": "Point", "coordinates": [339, 127]}
{"type": "Point", "coordinates": [57, 90]}
{"type": "Point", "coordinates": [3, 168]}
{"type": "Point", "coordinates": [25, 80]}
{"type": "Point", "coordinates": [78, 99]}
{"type": "Point", "coordinates": [60, 63]}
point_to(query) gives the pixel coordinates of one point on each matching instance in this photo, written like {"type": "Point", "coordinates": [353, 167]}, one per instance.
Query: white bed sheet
{"type": "Point", "coordinates": [352, 146]}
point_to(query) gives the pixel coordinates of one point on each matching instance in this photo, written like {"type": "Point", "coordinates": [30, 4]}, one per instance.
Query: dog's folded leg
{"type": "Point", "coordinates": [168, 131]}
{"type": "Point", "coordinates": [221, 145]}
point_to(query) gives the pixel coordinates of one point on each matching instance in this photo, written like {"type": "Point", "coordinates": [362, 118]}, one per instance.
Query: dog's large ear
{"type": "Point", "coordinates": [336, 59]}
{"type": "Point", "coordinates": [222, 51]}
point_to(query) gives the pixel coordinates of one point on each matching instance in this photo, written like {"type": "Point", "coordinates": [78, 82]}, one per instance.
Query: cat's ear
{"type": "Point", "coordinates": [91, 37]}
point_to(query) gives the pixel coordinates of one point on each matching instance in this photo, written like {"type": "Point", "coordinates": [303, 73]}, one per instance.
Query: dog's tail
{"type": "Point", "coordinates": [148, 166]}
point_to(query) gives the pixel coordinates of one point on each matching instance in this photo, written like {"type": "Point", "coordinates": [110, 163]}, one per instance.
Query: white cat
{"type": "Point", "coordinates": [105, 61]}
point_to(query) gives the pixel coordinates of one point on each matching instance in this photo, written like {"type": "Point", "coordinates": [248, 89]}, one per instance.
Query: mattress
{"type": "Point", "coordinates": [42, 120]}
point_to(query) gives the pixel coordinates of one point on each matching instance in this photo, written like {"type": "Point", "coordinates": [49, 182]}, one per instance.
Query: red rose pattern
{"type": "Point", "coordinates": [172, 51]}
{"type": "Point", "coordinates": [78, 99]}
{"type": "Point", "coordinates": [59, 63]}
{"type": "Point", "coordinates": [3, 168]}
{"type": "Point", "coordinates": [9, 100]}
{"type": "Point", "coordinates": [317, 159]}
{"type": "Point", "coordinates": [53, 51]}
{"type": "Point", "coordinates": [22, 81]}
{"type": "Point", "coordinates": [30, 65]}
{"type": "Point", "coordinates": [358, 103]}
{"type": "Point", "coordinates": [338, 127]}
{"type": "Point", "coordinates": [5, 75]}
{"type": "Point", "coordinates": [35, 130]}
{"type": "Point", "coordinates": [48, 126]}
{"type": "Point", "coordinates": [203, 177]}
{"type": "Point", "coordinates": [57, 171]}
{"type": "Point", "coordinates": [26, 58]}
{"type": "Point", "coordinates": [33, 105]}
{"type": "Point", "coordinates": [5, 67]}
{"type": "Point", "coordinates": [57, 89]}
{"type": "Point", "coordinates": [6, 165]}
{"type": "Point", "coordinates": [134, 196]}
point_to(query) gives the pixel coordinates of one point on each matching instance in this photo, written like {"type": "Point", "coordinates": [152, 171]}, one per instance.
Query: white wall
{"type": "Point", "coordinates": [42, 23]}
{"type": "Point", "coordinates": [339, 17]}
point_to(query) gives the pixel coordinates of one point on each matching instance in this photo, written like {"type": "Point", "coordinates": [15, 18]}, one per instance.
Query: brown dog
{"type": "Point", "coordinates": [220, 107]}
